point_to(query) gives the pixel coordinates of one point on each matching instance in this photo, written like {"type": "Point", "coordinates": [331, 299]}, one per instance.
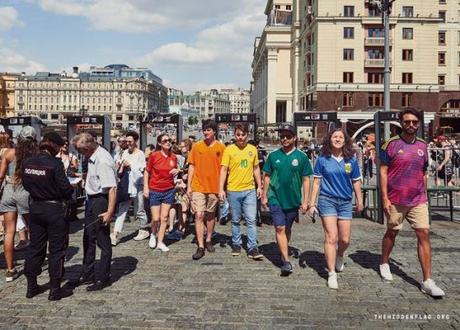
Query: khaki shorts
{"type": "Point", "coordinates": [204, 202]}
{"type": "Point", "coordinates": [417, 216]}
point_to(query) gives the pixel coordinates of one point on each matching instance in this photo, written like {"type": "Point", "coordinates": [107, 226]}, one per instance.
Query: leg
{"type": "Point", "coordinates": [155, 218]}
{"type": "Point", "coordinates": [282, 241]}
{"type": "Point", "coordinates": [58, 231]}
{"type": "Point", "coordinates": [89, 239]}
{"type": "Point", "coordinates": [424, 251]}
{"type": "Point", "coordinates": [139, 210]}
{"type": "Point", "coordinates": [236, 209]}
{"type": "Point", "coordinates": [199, 228]}
{"type": "Point", "coordinates": [212, 202]}
{"type": "Point", "coordinates": [250, 213]}
{"type": "Point", "coordinates": [387, 245]}
{"type": "Point", "coordinates": [36, 252]}
{"type": "Point", "coordinates": [9, 222]}
{"type": "Point", "coordinates": [330, 241]}
{"type": "Point", "coordinates": [103, 239]}
{"type": "Point", "coordinates": [171, 217]}
{"type": "Point", "coordinates": [344, 234]}
{"type": "Point", "coordinates": [120, 216]}
{"type": "Point", "coordinates": [164, 215]}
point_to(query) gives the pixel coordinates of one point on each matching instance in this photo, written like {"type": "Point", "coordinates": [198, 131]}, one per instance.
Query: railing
{"type": "Point", "coordinates": [279, 18]}
{"type": "Point", "coordinates": [375, 62]}
{"type": "Point", "coordinates": [376, 41]}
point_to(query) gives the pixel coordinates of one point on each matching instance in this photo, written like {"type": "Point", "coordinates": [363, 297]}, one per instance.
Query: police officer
{"type": "Point", "coordinates": [44, 178]}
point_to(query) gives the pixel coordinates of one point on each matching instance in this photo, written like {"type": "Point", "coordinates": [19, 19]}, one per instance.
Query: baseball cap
{"type": "Point", "coordinates": [287, 128]}
{"type": "Point", "coordinates": [54, 137]}
{"type": "Point", "coordinates": [442, 138]}
{"type": "Point", "coordinates": [27, 132]}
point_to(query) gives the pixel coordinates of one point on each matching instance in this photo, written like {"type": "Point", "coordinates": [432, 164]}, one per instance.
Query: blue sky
{"type": "Point", "coordinates": [191, 44]}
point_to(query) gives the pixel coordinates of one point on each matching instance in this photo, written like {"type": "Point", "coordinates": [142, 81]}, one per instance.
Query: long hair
{"type": "Point", "coordinates": [4, 140]}
{"type": "Point", "coordinates": [24, 149]}
{"type": "Point", "coordinates": [347, 150]}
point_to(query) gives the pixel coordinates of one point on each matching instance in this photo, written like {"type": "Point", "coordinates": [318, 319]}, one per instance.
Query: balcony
{"type": "Point", "coordinates": [376, 41]}
{"type": "Point", "coordinates": [279, 18]}
{"type": "Point", "coordinates": [375, 62]}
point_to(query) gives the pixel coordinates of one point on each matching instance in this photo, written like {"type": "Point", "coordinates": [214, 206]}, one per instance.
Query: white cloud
{"type": "Point", "coordinates": [13, 61]}
{"type": "Point", "coordinates": [9, 17]}
{"type": "Point", "coordinates": [178, 53]}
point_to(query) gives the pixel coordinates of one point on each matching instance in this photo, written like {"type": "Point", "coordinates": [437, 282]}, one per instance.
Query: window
{"type": "Point", "coordinates": [288, 7]}
{"type": "Point", "coordinates": [442, 37]}
{"type": "Point", "coordinates": [441, 80]}
{"type": "Point", "coordinates": [277, 6]}
{"type": "Point", "coordinates": [406, 100]}
{"type": "Point", "coordinates": [442, 58]}
{"type": "Point", "coordinates": [348, 77]}
{"type": "Point", "coordinates": [348, 99]}
{"type": "Point", "coordinates": [442, 15]}
{"type": "Point", "coordinates": [119, 117]}
{"type": "Point", "coordinates": [130, 117]}
{"type": "Point", "coordinates": [442, 2]}
{"type": "Point", "coordinates": [407, 55]}
{"type": "Point", "coordinates": [375, 78]}
{"type": "Point", "coordinates": [54, 116]}
{"type": "Point", "coordinates": [408, 11]}
{"type": "Point", "coordinates": [348, 33]}
{"type": "Point", "coordinates": [458, 58]}
{"type": "Point", "coordinates": [349, 11]}
{"type": "Point", "coordinates": [408, 33]}
{"type": "Point", "coordinates": [407, 78]}
{"type": "Point", "coordinates": [376, 99]}
{"type": "Point", "coordinates": [348, 54]}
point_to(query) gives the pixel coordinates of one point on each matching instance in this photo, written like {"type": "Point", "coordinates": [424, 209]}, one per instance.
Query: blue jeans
{"type": "Point", "coordinates": [243, 202]}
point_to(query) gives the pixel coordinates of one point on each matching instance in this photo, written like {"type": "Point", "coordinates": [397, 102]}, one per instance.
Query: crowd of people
{"type": "Point", "coordinates": [173, 181]}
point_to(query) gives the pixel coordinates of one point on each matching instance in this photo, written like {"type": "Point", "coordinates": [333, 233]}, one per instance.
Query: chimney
{"type": "Point", "coordinates": [75, 69]}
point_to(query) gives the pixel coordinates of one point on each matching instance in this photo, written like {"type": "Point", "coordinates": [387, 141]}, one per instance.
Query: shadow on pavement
{"type": "Point", "coordinates": [370, 260]}
{"type": "Point", "coordinates": [315, 260]}
{"type": "Point", "coordinates": [271, 253]}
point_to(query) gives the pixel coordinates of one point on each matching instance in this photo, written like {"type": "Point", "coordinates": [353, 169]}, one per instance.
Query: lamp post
{"type": "Point", "coordinates": [385, 6]}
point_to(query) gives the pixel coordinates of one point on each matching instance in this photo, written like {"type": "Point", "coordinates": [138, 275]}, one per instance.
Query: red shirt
{"type": "Point", "coordinates": [158, 167]}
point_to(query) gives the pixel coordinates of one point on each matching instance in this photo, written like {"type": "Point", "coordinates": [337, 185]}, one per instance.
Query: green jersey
{"type": "Point", "coordinates": [286, 172]}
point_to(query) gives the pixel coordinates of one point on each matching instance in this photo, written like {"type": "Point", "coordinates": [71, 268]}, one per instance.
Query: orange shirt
{"type": "Point", "coordinates": [206, 161]}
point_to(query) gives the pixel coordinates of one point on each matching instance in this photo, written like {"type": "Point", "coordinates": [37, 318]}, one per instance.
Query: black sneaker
{"type": "Point", "coordinates": [255, 254]}
{"type": "Point", "coordinates": [21, 245]}
{"type": "Point", "coordinates": [210, 247]}
{"type": "Point", "coordinates": [236, 250]}
{"type": "Point", "coordinates": [286, 268]}
{"type": "Point", "coordinates": [198, 254]}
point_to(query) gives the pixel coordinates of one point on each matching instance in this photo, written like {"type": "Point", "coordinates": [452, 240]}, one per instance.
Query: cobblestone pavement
{"type": "Point", "coordinates": [169, 290]}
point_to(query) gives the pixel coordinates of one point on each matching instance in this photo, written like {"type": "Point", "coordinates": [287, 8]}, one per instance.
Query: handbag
{"type": "Point", "coordinates": [122, 187]}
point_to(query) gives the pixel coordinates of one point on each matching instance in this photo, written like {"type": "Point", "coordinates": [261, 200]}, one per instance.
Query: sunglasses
{"type": "Point", "coordinates": [410, 122]}
{"type": "Point", "coordinates": [287, 137]}
{"type": "Point", "coordinates": [165, 140]}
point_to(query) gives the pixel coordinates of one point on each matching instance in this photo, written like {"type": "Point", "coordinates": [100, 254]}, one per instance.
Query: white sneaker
{"type": "Point", "coordinates": [162, 247]}
{"type": "Point", "coordinates": [332, 281]}
{"type": "Point", "coordinates": [141, 234]}
{"type": "Point", "coordinates": [339, 264]}
{"type": "Point", "coordinates": [152, 241]}
{"type": "Point", "coordinates": [429, 287]}
{"type": "Point", "coordinates": [385, 272]}
{"type": "Point", "coordinates": [113, 239]}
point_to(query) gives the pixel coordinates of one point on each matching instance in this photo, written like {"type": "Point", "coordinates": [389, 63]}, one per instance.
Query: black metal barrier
{"type": "Point", "coordinates": [101, 125]}
{"type": "Point", "coordinates": [154, 124]}
{"type": "Point", "coordinates": [226, 121]}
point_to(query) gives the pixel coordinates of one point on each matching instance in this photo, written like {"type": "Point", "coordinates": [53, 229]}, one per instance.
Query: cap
{"type": "Point", "coordinates": [286, 127]}
{"type": "Point", "coordinates": [442, 138]}
{"type": "Point", "coordinates": [27, 132]}
{"type": "Point", "coordinates": [54, 137]}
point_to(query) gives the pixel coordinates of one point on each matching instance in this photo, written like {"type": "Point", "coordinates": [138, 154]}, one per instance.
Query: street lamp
{"type": "Point", "coordinates": [384, 6]}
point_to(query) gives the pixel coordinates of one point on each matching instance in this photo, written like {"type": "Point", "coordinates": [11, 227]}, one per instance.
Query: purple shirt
{"type": "Point", "coordinates": [407, 164]}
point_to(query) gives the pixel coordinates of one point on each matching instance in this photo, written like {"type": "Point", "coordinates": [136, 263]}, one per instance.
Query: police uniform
{"type": "Point", "coordinates": [101, 176]}
{"type": "Point", "coordinates": [44, 178]}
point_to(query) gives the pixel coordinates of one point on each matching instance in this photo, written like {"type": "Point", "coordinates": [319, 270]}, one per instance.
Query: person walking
{"type": "Point", "coordinates": [44, 177]}
{"type": "Point", "coordinates": [15, 199]}
{"type": "Point", "coordinates": [132, 164]}
{"type": "Point", "coordinates": [403, 182]}
{"type": "Point", "coordinates": [286, 189]}
{"type": "Point", "coordinates": [336, 175]}
{"type": "Point", "coordinates": [101, 191]}
{"type": "Point", "coordinates": [241, 163]}
{"type": "Point", "coordinates": [159, 187]}
{"type": "Point", "coordinates": [203, 185]}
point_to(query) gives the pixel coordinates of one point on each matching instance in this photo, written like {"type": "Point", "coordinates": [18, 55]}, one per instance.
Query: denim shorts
{"type": "Point", "coordinates": [157, 198]}
{"type": "Point", "coordinates": [342, 209]}
{"type": "Point", "coordinates": [282, 217]}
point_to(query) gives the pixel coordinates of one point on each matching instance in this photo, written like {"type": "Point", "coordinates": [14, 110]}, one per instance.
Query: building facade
{"type": "Point", "coordinates": [53, 97]}
{"type": "Point", "coordinates": [341, 53]}
{"type": "Point", "coordinates": [7, 95]}
{"type": "Point", "coordinates": [206, 102]}
{"type": "Point", "coordinates": [239, 100]}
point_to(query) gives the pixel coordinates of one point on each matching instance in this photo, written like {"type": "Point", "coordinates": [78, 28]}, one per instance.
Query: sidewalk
{"type": "Point", "coordinates": [169, 290]}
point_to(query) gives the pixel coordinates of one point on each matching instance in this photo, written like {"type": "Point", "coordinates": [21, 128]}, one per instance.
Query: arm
{"type": "Point", "coordinates": [314, 193]}
{"type": "Point", "coordinates": [191, 171]}
{"type": "Point", "coordinates": [306, 193]}
{"type": "Point", "coordinates": [266, 185]}
{"type": "Point", "coordinates": [4, 166]}
{"type": "Point", "coordinates": [446, 159]}
{"type": "Point", "coordinates": [107, 216]}
{"type": "Point", "coordinates": [384, 188]}
{"type": "Point", "coordinates": [359, 195]}
{"type": "Point", "coordinates": [146, 183]}
{"type": "Point", "coordinates": [62, 182]}
{"type": "Point", "coordinates": [222, 178]}
{"type": "Point", "coordinates": [258, 179]}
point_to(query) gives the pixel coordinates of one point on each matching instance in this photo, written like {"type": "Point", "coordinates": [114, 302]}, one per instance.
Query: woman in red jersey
{"type": "Point", "coordinates": [160, 189]}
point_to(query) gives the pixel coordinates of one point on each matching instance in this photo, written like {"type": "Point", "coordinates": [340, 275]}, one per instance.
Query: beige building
{"type": "Point", "coordinates": [341, 48]}
{"type": "Point", "coordinates": [7, 95]}
{"type": "Point", "coordinates": [205, 102]}
{"type": "Point", "coordinates": [53, 97]}
{"type": "Point", "coordinates": [275, 64]}
{"type": "Point", "coordinates": [239, 99]}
